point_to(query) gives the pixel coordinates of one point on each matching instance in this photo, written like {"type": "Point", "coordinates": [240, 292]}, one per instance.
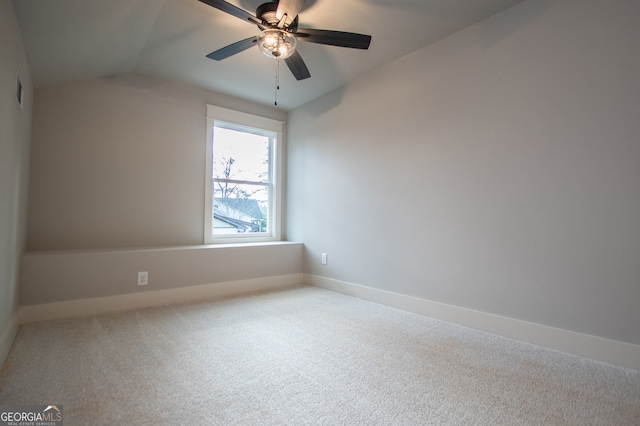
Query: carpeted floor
{"type": "Point", "coordinates": [304, 356]}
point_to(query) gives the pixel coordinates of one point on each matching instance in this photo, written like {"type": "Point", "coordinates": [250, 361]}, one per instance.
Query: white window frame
{"type": "Point", "coordinates": [231, 118]}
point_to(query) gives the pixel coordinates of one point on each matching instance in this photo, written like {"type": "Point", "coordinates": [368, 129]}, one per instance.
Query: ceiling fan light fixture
{"type": "Point", "coordinates": [278, 21]}
{"type": "Point", "coordinates": [277, 44]}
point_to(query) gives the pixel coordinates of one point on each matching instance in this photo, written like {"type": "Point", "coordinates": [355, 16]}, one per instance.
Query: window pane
{"type": "Point", "coordinates": [243, 177]}
{"type": "Point", "coordinates": [243, 211]}
{"type": "Point", "coordinates": [240, 155]}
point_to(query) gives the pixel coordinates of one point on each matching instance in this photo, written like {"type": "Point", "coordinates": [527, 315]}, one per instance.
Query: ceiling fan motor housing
{"type": "Point", "coordinates": [266, 12]}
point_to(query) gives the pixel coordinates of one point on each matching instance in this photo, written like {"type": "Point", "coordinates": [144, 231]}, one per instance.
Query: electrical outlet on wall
{"type": "Point", "coordinates": [324, 258]}
{"type": "Point", "coordinates": [143, 278]}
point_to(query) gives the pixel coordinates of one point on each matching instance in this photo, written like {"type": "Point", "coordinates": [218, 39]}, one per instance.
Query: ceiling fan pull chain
{"type": "Point", "coordinates": [277, 82]}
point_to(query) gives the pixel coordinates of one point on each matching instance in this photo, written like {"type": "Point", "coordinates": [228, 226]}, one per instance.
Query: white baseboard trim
{"type": "Point", "coordinates": [122, 302]}
{"type": "Point", "coordinates": [8, 336]}
{"type": "Point", "coordinates": [588, 346]}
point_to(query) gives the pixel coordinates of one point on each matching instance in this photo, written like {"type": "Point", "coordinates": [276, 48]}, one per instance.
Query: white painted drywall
{"type": "Point", "coordinates": [48, 277]}
{"type": "Point", "coordinates": [15, 127]}
{"type": "Point", "coordinates": [496, 170]}
{"type": "Point", "coordinates": [120, 161]}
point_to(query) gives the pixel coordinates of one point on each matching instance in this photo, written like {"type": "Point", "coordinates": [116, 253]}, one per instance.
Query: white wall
{"type": "Point", "coordinates": [118, 164]}
{"type": "Point", "coordinates": [15, 126]}
{"type": "Point", "coordinates": [69, 283]}
{"type": "Point", "coordinates": [496, 170]}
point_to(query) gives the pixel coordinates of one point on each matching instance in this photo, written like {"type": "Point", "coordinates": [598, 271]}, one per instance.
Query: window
{"type": "Point", "coordinates": [242, 200]}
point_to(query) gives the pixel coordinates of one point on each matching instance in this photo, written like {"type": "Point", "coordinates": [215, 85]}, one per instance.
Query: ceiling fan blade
{"type": "Point", "coordinates": [297, 66]}
{"type": "Point", "coordinates": [334, 38]}
{"type": "Point", "coordinates": [233, 10]}
{"type": "Point", "coordinates": [234, 48]}
{"type": "Point", "coordinates": [291, 8]}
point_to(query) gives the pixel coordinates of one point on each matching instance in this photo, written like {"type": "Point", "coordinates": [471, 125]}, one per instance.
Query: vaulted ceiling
{"type": "Point", "coordinates": [69, 40]}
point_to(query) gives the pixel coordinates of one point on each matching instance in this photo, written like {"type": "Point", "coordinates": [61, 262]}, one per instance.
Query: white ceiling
{"type": "Point", "coordinates": [68, 40]}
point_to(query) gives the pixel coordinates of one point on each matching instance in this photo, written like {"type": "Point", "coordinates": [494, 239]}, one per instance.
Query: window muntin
{"type": "Point", "coordinates": [243, 170]}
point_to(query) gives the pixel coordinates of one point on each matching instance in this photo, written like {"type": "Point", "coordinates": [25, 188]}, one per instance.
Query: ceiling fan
{"type": "Point", "coordinates": [278, 21]}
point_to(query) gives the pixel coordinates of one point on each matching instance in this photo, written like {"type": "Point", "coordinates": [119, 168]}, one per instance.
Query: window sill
{"type": "Point", "coordinates": [163, 248]}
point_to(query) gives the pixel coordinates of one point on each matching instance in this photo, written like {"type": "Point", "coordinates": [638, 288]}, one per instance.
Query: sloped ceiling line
{"type": "Point", "coordinates": [68, 40]}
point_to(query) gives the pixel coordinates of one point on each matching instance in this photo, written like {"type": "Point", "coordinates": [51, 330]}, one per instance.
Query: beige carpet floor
{"type": "Point", "coordinates": [304, 356]}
